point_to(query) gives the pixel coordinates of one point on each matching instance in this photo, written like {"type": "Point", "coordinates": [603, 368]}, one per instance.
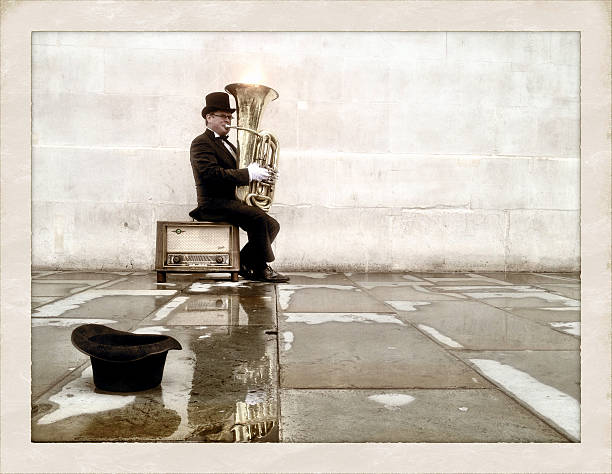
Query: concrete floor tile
{"type": "Point", "coordinates": [81, 275]}
{"type": "Point", "coordinates": [146, 281]}
{"type": "Point", "coordinates": [383, 277]}
{"type": "Point", "coordinates": [53, 355]}
{"type": "Point", "coordinates": [461, 279]}
{"type": "Point", "coordinates": [316, 278]}
{"type": "Point", "coordinates": [106, 304]}
{"type": "Point", "coordinates": [547, 382]}
{"type": "Point", "coordinates": [327, 298]}
{"type": "Point", "coordinates": [252, 308]}
{"type": "Point", "coordinates": [220, 387]}
{"type": "Point", "coordinates": [61, 288]}
{"type": "Point", "coordinates": [571, 290]}
{"type": "Point", "coordinates": [533, 278]}
{"type": "Point", "coordinates": [523, 298]}
{"type": "Point", "coordinates": [37, 301]}
{"type": "Point", "coordinates": [413, 293]}
{"type": "Point", "coordinates": [364, 351]}
{"type": "Point", "coordinates": [410, 416]}
{"type": "Point", "coordinates": [559, 369]}
{"type": "Point", "coordinates": [547, 315]}
{"type": "Point", "coordinates": [476, 326]}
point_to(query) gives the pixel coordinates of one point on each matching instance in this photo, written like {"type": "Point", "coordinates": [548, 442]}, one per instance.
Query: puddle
{"type": "Point", "coordinates": [542, 294]}
{"type": "Point", "coordinates": [166, 309]}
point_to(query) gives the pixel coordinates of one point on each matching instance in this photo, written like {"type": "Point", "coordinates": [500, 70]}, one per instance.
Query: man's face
{"type": "Point", "coordinates": [218, 121]}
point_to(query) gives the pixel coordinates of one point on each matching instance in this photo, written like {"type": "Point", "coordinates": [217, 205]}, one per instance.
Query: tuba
{"type": "Point", "coordinates": [253, 145]}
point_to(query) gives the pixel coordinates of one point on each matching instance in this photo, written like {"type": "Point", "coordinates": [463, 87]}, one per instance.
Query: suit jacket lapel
{"type": "Point", "coordinates": [223, 152]}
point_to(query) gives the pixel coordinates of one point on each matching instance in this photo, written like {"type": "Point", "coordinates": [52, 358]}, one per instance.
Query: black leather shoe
{"type": "Point", "coordinates": [269, 275]}
{"type": "Point", "coordinates": [245, 272]}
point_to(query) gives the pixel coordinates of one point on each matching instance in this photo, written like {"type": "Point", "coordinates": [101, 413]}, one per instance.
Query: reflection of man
{"type": "Point", "coordinates": [214, 164]}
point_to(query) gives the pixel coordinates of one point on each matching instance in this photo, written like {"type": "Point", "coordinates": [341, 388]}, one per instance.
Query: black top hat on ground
{"type": "Point", "coordinates": [122, 361]}
{"type": "Point", "coordinates": [217, 101]}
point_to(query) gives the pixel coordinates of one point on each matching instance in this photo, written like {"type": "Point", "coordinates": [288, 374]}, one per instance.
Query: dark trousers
{"type": "Point", "coordinates": [260, 227]}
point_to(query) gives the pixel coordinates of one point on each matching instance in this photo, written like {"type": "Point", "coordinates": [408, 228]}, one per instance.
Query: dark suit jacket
{"type": "Point", "coordinates": [214, 169]}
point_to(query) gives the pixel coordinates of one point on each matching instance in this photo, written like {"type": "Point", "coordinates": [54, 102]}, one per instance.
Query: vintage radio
{"type": "Point", "coordinates": [190, 247]}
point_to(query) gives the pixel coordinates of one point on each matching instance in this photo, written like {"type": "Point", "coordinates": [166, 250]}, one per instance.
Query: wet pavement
{"type": "Point", "coordinates": [342, 357]}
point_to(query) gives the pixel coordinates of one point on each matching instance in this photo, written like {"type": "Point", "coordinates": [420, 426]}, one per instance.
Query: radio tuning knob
{"type": "Point", "coordinates": [176, 259]}
{"type": "Point", "coordinates": [219, 259]}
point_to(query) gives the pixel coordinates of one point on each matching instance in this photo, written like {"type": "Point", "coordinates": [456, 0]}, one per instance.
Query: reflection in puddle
{"type": "Point", "coordinates": [253, 421]}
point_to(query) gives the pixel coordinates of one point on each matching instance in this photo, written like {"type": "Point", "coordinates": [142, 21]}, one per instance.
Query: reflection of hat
{"type": "Point", "coordinates": [217, 101]}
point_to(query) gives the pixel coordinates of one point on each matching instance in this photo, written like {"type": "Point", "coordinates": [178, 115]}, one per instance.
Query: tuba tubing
{"type": "Point", "coordinates": [254, 146]}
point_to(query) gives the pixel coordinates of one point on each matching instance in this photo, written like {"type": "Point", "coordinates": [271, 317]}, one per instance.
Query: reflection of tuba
{"type": "Point", "coordinates": [253, 145]}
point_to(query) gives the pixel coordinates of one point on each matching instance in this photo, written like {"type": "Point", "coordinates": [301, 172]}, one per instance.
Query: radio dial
{"type": "Point", "coordinates": [176, 259]}
{"type": "Point", "coordinates": [219, 259]}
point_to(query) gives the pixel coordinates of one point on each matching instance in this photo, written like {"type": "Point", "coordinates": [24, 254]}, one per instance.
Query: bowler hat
{"type": "Point", "coordinates": [217, 101]}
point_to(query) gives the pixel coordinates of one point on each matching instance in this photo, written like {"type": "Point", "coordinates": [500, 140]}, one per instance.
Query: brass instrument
{"type": "Point", "coordinates": [253, 145]}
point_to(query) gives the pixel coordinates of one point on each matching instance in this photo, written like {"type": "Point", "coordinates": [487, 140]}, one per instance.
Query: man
{"type": "Point", "coordinates": [214, 164]}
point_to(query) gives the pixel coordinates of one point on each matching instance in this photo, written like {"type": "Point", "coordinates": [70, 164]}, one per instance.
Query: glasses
{"type": "Point", "coordinates": [224, 116]}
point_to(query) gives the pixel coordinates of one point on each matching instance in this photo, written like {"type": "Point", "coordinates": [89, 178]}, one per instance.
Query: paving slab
{"type": "Point", "coordinates": [364, 350]}
{"type": "Point", "coordinates": [473, 325]}
{"type": "Point", "coordinates": [317, 278]}
{"type": "Point", "coordinates": [53, 355]}
{"type": "Point", "coordinates": [547, 315]}
{"type": "Point", "coordinates": [148, 281]}
{"type": "Point", "coordinates": [548, 383]}
{"type": "Point", "coordinates": [327, 298]}
{"type": "Point", "coordinates": [61, 288]}
{"type": "Point", "coordinates": [79, 275]}
{"type": "Point", "coordinates": [412, 293]}
{"type": "Point", "coordinates": [37, 301]}
{"type": "Point", "coordinates": [410, 416]}
{"type": "Point", "coordinates": [532, 278]}
{"type": "Point", "coordinates": [252, 308]}
{"type": "Point", "coordinates": [383, 277]}
{"type": "Point", "coordinates": [220, 387]}
{"type": "Point", "coordinates": [106, 304]}
{"type": "Point", "coordinates": [571, 290]}
{"type": "Point", "coordinates": [537, 298]}
{"type": "Point", "coordinates": [456, 279]}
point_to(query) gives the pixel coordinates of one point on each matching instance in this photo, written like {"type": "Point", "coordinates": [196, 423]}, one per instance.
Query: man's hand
{"type": "Point", "coordinates": [257, 173]}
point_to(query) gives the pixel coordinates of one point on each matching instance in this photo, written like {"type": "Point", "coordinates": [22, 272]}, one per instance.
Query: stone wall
{"type": "Point", "coordinates": [399, 151]}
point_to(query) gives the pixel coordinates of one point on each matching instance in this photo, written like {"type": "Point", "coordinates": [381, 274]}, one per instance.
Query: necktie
{"type": "Point", "coordinates": [232, 148]}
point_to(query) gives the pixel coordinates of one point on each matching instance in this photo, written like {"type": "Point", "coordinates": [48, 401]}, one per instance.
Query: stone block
{"type": "Point", "coordinates": [364, 127]}
{"type": "Point", "coordinates": [533, 131]}
{"type": "Point", "coordinates": [139, 71]}
{"type": "Point", "coordinates": [316, 237]}
{"type": "Point", "coordinates": [87, 175]}
{"type": "Point", "coordinates": [318, 127]}
{"type": "Point", "coordinates": [438, 128]}
{"type": "Point", "coordinates": [543, 240]}
{"type": "Point", "coordinates": [92, 235]}
{"type": "Point", "coordinates": [526, 183]}
{"type": "Point", "coordinates": [95, 120]}
{"type": "Point", "coordinates": [306, 179]}
{"type": "Point", "coordinates": [181, 120]}
{"type": "Point", "coordinates": [62, 69]}
{"type": "Point", "coordinates": [519, 47]}
{"type": "Point", "coordinates": [447, 240]}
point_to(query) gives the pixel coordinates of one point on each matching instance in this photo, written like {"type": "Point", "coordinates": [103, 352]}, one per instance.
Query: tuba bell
{"type": "Point", "coordinates": [253, 145]}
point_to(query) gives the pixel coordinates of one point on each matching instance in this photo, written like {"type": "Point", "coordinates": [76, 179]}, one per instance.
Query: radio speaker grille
{"type": "Point", "coordinates": [198, 239]}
